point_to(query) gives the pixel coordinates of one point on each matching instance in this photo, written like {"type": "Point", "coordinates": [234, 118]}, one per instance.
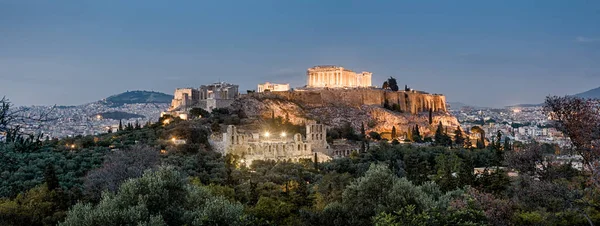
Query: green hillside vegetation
{"type": "Point", "coordinates": [119, 115]}
{"type": "Point", "coordinates": [137, 176]}
{"type": "Point", "coordinates": [136, 97]}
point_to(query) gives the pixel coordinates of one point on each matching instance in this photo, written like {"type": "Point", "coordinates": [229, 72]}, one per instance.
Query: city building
{"type": "Point", "coordinates": [273, 87]}
{"type": "Point", "coordinates": [329, 76]}
{"type": "Point", "coordinates": [278, 146]}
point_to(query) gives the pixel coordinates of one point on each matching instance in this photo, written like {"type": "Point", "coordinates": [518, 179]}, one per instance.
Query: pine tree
{"type": "Point", "coordinates": [137, 125]}
{"type": "Point", "coordinates": [417, 135]}
{"type": "Point", "coordinates": [430, 116]}
{"type": "Point", "coordinates": [120, 125]}
{"type": "Point", "coordinates": [393, 132]}
{"type": "Point", "coordinates": [363, 133]}
{"type": "Point", "coordinates": [507, 145]}
{"type": "Point", "coordinates": [316, 162]}
{"type": "Point", "coordinates": [109, 130]}
{"type": "Point", "coordinates": [50, 177]}
{"type": "Point", "coordinates": [385, 85]}
{"type": "Point", "coordinates": [498, 140]}
{"type": "Point", "coordinates": [439, 136]}
{"type": "Point", "coordinates": [392, 83]}
{"type": "Point", "coordinates": [458, 137]}
{"type": "Point", "coordinates": [363, 146]}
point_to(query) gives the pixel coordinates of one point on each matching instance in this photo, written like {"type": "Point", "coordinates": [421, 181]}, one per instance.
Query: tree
{"type": "Point", "coordinates": [118, 167]}
{"type": "Point", "coordinates": [439, 135]}
{"type": "Point", "coordinates": [374, 135]}
{"type": "Point", "coordinates": [458, 137]}
{"type": "Point", "coordinates": [37, 206]}
{"type": "Point", "coordinates": [416, 135]}
{"type": "Point", "coordinates": [215, 127]}
{"type": "Point", "coordinates": [11, 122]}
{"type": "Point", "coordinates": [394, 132]}
{"type": "Point", "coordinates": [362, 130]}
{"type": "Point", "coordinates": [158, 198]}
{"type": "Point", "coordinates": [507, 145]}
{"type": "Point", "coordinates": [199, 112]}
{"type": "Point", "coordinates": [579, 119]}
{"type": "Point", "coordinates": [137, 125]}
{"type": "Point", "coordinates": [385, 85]}
{"type": "Point", "coordinates": [431, 116]}
{"type": "Point", "coordinates": [120, 125]}
{"type": "Point", "coordinates": [392, 83]}
{"type": "Point", "coordinates": [50, 177]}
{"type": "Point", "coordinates": [316, 162]}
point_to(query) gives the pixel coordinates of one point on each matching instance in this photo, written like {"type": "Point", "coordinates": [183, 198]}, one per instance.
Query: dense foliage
{"type": "Point", "coordinates": [139, 177]}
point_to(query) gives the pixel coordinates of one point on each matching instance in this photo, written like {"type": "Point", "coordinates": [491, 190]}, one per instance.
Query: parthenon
{"type": "Point", "coordinates": [336, 77]}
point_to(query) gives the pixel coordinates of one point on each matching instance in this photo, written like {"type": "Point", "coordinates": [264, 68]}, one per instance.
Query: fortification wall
{"type": "Point", "coordinates": [409, 101]}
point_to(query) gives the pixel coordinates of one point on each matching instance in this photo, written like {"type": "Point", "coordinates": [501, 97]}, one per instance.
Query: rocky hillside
{"type": "Point", "coordinates": [375, 117]}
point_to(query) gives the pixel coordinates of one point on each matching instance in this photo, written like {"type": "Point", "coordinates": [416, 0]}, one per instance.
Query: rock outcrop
{"type": "Point", "coordinates": [355, 106]}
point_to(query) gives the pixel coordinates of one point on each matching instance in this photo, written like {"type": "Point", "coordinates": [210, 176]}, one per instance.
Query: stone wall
{"type": "Point", "coordinates": [409, 101]}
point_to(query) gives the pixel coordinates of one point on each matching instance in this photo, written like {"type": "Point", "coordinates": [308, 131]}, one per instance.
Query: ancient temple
{"type": "Point", "coordinates": [329, 76]}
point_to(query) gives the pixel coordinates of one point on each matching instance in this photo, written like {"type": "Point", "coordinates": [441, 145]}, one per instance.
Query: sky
{"type": "Point", "coordinates": [484, 53]}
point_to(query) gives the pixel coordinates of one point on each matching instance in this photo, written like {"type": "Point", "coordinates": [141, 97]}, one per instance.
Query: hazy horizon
{"type": "Point", "coordinates": [479, 53]}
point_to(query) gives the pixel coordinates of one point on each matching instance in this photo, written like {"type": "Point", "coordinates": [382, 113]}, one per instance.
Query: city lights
{"type": "Point", "coordinates": [267, 134]}
{"type": "Point", "coordinates": [283, 134]}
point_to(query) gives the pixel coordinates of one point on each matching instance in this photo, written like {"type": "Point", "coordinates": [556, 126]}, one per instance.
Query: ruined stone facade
{"type": "Point", "coordinates": [278, 147]}
{"type": "Point", "coordinates": [184, 98]}
{"type": "Point", "coordinates": [207, 97]}
{"type": "Point", "coordinates": [336, 77]}
{"type": "Point", "coordinates": [273, 87]}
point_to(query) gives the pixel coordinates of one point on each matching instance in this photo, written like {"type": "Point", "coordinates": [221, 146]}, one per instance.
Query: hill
{"type": "Point", "coordinates": [138, 97]}
{"type": "Point", "coordinates": [337, 107]}
{"type": "Point", "coordinates": [592, 94]}
{"type": "Point", "coordinates": [119, 115]}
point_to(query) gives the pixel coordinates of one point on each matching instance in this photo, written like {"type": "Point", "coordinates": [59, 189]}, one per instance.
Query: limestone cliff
{"type": "Point", "coordinates": [357, 106]}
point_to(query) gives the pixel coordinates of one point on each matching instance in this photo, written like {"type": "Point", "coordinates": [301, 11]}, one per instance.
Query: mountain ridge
{"type": "Point", "coordinates": [591, 94]}
{"type": "Point", "coordinates": [138, 97]}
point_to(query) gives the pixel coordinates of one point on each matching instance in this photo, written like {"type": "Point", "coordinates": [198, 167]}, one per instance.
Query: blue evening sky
{"type": "Point", "coordinates": [486, 53]}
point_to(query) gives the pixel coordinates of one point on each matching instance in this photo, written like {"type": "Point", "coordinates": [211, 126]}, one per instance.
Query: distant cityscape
{"type": "Point", "coordinates": [86, 119]}
{"type": "Point", "coordinates": [524, 123]}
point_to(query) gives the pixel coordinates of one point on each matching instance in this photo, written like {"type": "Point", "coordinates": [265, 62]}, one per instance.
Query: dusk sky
{"type": "Point", "coordinates": [478, 52]}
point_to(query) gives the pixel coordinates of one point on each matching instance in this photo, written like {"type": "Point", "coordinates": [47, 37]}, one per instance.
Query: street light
{"type": "Point", "coordinates": [267, 134]}
{"type": "Point", "coordinates": [283, 134]}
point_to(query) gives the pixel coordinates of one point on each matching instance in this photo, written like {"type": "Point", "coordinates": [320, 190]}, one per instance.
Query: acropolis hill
{"type": "Point", "coordinates": [328, 99]}
{"type": "Point", "coordinates": [409, 101]}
